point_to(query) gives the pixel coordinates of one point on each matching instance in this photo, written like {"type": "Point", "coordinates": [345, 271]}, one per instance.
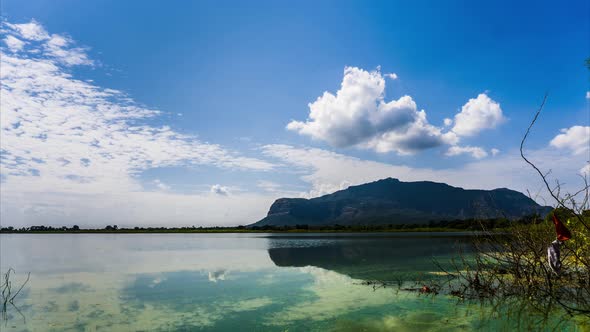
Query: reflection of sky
{"type": "Point", "coordinates": [131, 253]}
{"type": "Point", "coordinates": [221, 281]}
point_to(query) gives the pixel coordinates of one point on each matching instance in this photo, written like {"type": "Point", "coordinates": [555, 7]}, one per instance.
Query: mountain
{"type": "Point", "coordinates": [390, 201]}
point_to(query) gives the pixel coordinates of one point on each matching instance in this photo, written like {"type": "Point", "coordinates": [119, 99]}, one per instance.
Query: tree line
{"type": "Point", "coordinates": [444, 225]}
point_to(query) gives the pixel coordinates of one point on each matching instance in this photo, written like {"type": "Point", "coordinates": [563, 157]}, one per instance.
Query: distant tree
{"type": "Point", "coordinates": [75, 228]}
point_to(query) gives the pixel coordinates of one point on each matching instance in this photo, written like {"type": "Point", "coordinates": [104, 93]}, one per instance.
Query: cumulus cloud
{"type": "Point", "coordinates": [418, 135]}
{"type": "Point", "coordinates": [219, 190]}
{"type": "Point", "coordinates": [358, 115]}
{"type": "Point", "coordinates": [495, 151]}
{"type": "Point", "coordinates": [587, 94]}
{"type": "Point", "coordinates": [478, 114]}
{"type": "Point", "coordinates": [474, 151]}
{"type": "Point", "coordinates": [65, 141]}
{"type": "Point", "coordinates": [575, 139]}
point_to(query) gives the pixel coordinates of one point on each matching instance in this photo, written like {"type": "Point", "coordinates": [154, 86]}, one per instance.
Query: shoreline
{"type": "Point", "coordinates": [236, 231]}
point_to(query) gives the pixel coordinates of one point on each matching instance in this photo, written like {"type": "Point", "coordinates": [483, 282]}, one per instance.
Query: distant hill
{"type": "Point", "coordinates": [390, 201]}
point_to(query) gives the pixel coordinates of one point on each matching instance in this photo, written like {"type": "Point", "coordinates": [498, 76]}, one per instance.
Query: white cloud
{"type": "Point", "coordinates": [219, 190]}
{"type": "Point", "coordinates": [133, 208]}
{"type": "Point", "coordinates": [161, 185]}
{"type": "Point", "coordinates": [495, 152]}
{"type": "Point", "coordinates": [576, 139]}
{"type": "Point", "coordinates": [14, 44]}
{"type": "Point", "coordinates": [59, 48]}
{"type": "Point", "coordinates": [474, 151]}
{"type": "Point", "coordinates": [73, 151]}
{"type": "Point", "coordinates": [418, 135]}
{"type": "Point", "coordinates": [359, 116]}
{"type": "Point", "coordinates": [587, 94]}
{"type": "Point", "coordinates": [268, 186]}
{"type": "Point", "coordinates": [478, 114]}
{"type": "Point", "coordinates": [328, 171]}
{"type": "Point", "coordinates": [277, 190]}
{"type": "Point", "coordinates": [68, 146]}
{"type": "Point", "coordinates": [392, 76]}
{"type": "Point", "coordinates": [30, 31]}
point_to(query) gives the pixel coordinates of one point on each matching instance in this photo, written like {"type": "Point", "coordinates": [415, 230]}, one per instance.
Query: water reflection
{"type": "Point", "coordinates": [381, 257]}
{"type": "Point", "coordinates": [9, 293]}
{"type": "Point", "coordinates": [230, 282]}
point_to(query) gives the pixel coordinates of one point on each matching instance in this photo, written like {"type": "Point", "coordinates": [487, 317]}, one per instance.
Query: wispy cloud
{"type": "Point", "coordinates": [327, 171]}
{"type": "Point", "coordinates": [476, 152]}
{"type": "Point", "coordinates": [61, 135]}
{"type": "Point", "coordinates": [62, 126]}
{"type": "Point", "coordinates": [72, 151]}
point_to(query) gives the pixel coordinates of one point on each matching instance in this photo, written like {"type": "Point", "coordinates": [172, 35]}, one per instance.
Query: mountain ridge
{"type": "Point", "coordinates": [391, 201]}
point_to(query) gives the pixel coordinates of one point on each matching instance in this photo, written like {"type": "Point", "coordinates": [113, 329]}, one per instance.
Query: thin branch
{"type": "Point", "coordinates": [559, 201]}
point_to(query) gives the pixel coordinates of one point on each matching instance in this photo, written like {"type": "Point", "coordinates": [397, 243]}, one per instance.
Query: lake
{"type": "Point", "coordinates": [236, 282]}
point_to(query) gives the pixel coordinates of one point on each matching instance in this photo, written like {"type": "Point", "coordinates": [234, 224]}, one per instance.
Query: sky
{"type": "Point", "coordinates": [203, 113]}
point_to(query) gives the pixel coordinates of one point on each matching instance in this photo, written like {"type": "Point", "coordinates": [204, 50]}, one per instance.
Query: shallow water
{"type": "Point", "coordinates": [235, 282]}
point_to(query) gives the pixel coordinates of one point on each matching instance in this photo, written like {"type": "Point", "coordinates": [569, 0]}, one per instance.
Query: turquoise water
{"type": "Point", "coordinates": [235, 282]}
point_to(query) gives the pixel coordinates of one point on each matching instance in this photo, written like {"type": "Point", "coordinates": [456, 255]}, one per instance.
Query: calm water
{"type": "Point", "coordinates": [233, 282]}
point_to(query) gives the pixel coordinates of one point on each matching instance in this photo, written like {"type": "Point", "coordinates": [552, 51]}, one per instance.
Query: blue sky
{"type": "Point", "coordinates": [228, 78]}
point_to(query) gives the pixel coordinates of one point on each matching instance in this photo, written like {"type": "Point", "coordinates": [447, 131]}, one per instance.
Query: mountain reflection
{"type": "Point", "coordinates": [387, 257]}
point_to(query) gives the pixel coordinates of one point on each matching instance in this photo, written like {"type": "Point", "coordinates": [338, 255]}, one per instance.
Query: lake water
{"type": "Point", "coordinates": [235, 282]}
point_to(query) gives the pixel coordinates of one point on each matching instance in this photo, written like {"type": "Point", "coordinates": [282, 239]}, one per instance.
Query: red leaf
{"type": "Point", "coordinates": [563, 234]}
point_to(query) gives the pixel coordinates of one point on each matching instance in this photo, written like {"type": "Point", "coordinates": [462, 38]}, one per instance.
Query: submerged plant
{"type": "Point", "coordinates": [7, 293]}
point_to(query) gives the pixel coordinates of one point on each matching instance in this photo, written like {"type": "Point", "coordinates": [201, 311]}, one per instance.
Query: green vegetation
{"type": "Point", "coordinates": [515, 269]}
{"type": "Point", "coordinates": [457, 225]}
